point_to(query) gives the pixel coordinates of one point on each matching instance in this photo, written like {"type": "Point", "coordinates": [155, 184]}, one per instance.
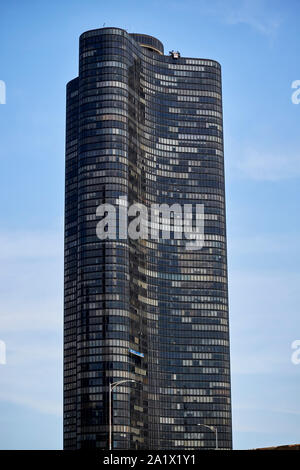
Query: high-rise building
{"type": "Point", "coordinates": [144, 127]}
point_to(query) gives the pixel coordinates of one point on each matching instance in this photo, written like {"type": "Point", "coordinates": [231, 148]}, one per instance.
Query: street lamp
{"type": "Point", "coordinates": [111, 387]}
{"type": "Point", "coordinates": [213, 429]}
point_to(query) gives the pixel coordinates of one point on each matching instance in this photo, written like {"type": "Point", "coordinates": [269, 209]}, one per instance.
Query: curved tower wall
{"type": "Point", "coordinates": [147, 127]}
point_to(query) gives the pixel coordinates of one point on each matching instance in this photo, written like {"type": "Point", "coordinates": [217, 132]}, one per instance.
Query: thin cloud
{"type": "Point", "coordinates": [264, 165]}
{"type": "Point", "coordinates": [27, 244]}
{"type": "Point", "coordinates": [264, 244]}
{"type": "Point", "coordinates": [254, 13]}
{"type": "Point", "coordinates": [31, 316]}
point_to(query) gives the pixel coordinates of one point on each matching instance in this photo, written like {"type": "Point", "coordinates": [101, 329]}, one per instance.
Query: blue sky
{"type": "Point", "coordinates": [257, 43]}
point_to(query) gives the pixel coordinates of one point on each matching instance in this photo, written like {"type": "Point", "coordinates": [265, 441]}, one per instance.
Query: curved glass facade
{"type": "Point", "coordinates": [148, 127]}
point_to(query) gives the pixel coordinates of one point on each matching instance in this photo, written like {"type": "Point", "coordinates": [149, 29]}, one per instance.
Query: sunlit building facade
{"type": "Point", "coordinates": [147, 127]}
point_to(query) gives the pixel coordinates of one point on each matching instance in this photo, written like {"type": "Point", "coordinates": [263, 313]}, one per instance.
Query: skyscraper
{"type": "Point", "coordinates": [144, 127]}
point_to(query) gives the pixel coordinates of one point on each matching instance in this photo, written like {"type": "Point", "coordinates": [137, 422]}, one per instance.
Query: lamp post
{"type": "Point", "coordinates": [213, 429]}
{"type": "Point", "coordinates": [111, 387]}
